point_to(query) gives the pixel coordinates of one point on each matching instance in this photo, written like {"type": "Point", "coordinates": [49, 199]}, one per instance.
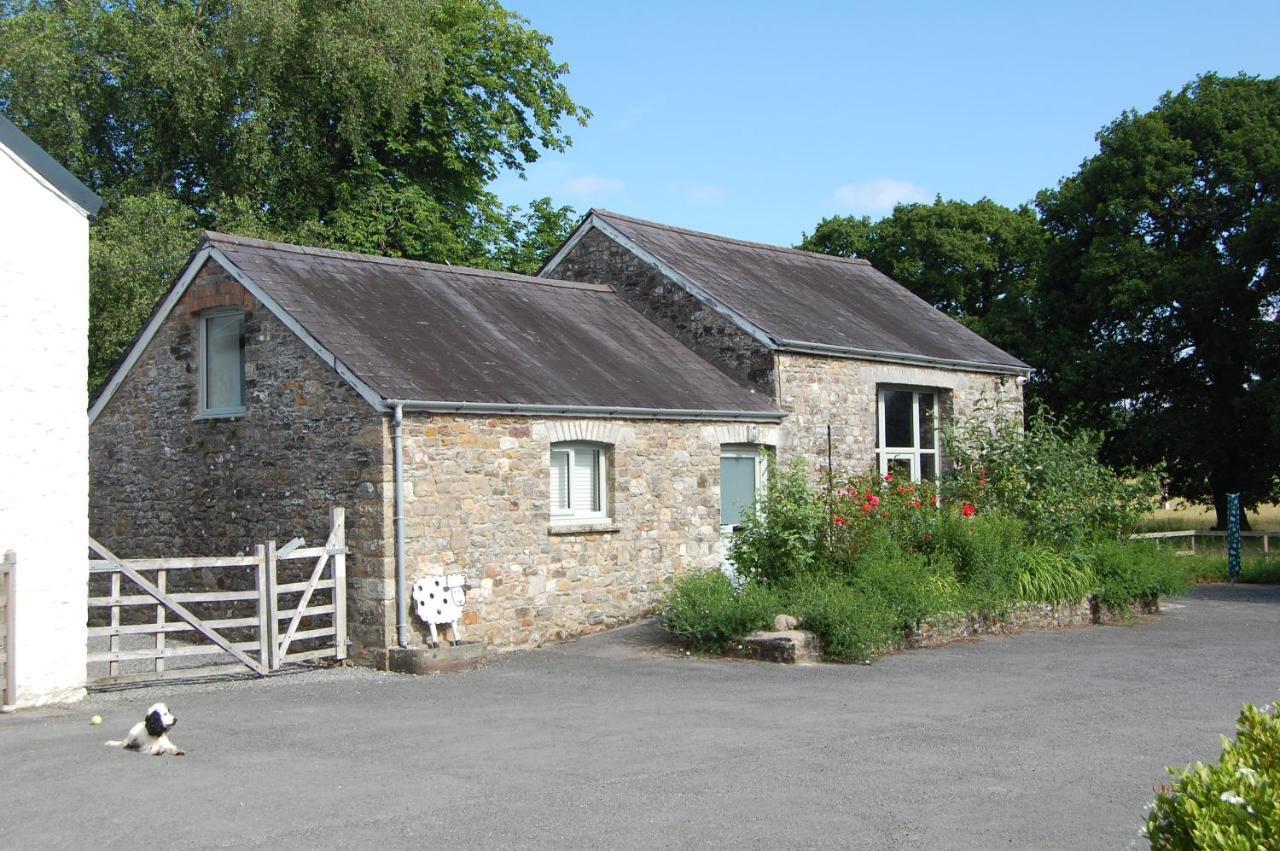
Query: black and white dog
{"type": "Point", "coordinates": [151, 734]}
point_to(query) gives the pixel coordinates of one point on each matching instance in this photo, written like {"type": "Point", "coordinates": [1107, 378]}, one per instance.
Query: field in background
{"type": "Point", "coordinates": [1182, 516]}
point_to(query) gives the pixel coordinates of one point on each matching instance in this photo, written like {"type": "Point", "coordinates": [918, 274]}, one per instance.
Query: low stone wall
{"type": "Point", "coordinates": [943, 630]}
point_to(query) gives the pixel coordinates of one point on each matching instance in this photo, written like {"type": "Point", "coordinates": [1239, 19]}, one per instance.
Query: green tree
{"type": "Point", "coordinates": [1161, 290]}
{"type": "Point", "coordinates": [374, 125]}
{"type": "Point", "coordinates": [977, 262]}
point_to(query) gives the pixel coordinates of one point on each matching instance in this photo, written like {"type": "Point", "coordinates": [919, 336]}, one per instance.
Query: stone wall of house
{"type": "Point", "coordinates": [820, 391]}
{"type": "Point", "coordinates": [165, 483]}
{"type": "Point", "coordinates": [477, 501]}
{"type": "Point", "coordinates": [598, 259]}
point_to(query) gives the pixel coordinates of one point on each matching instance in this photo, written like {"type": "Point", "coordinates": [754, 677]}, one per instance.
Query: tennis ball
{"type": "Point", "coordinates": [95, 720]}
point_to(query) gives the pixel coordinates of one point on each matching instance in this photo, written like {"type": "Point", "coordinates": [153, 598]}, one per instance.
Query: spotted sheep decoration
{"type": "Point", "coordinates": [439, 600]}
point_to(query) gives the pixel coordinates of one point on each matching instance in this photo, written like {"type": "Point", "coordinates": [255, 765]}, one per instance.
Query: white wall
{"type": "Point", "coordinates": [44, 466]}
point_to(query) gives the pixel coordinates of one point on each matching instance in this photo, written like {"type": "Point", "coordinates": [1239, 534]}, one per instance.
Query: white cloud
{"type": "Point", "coordinates": [590, 187]}
{"type": "Point", "coordinates": [879, 196]}
{"type": "Point", "coordinates": [707, 193]}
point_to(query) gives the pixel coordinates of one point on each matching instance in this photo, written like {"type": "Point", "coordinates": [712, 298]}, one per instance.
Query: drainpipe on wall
{"type": "Point", "coordinates": [402, 602]}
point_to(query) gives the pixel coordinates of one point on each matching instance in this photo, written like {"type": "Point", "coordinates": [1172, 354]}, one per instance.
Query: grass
{"type": "Point", "coordinates": [1182, 516]}
{"type": "Point", "coordinates": [1213, 568]}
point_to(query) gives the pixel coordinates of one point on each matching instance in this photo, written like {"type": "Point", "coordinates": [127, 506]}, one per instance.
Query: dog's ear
{"type": "Point", "coordinates": [155, 723]}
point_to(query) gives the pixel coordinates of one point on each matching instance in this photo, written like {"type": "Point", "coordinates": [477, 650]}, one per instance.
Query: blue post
{"type": "Point", "coordinates": [1233, 535]}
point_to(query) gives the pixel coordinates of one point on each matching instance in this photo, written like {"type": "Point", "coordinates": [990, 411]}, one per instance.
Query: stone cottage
{"type": "Point", "coordinates": [838, 347]}
{"type": "Point", "coordinates": [551, 443]}
{"type": "Point", "coordinates": [570, 442]}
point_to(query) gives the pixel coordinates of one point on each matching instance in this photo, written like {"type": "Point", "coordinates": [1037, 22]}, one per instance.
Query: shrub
{"type": "Point", "coordinates": [1047, 576]}
{"type": "Point", "coordinates": [1049, 478]}
{"type": "Point", "coordinates": [706, 610]}
{"type": "Point", "coordinates": [1233, 804]}
{"type": "Point", "coordinates": [783, 537]}
{"type": "Point", "coordinates": [850, 623]}
{"type": "Point", "coordinates": [869, 504]}
{"type": "Point", "coordinates": [1131, 570]}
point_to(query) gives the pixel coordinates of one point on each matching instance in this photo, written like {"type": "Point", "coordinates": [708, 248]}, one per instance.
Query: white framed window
{"type": "Point", "coordinates": [222, 363]}
{"type": "Point", "coordinates": [742, 475]}
{"type": "Point", "coordinates": [907, 433]}
{"type": "Point", "coordinates": [578, 483]}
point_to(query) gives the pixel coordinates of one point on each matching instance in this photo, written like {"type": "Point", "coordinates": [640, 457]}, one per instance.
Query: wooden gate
{"type": "Point", "coordinates": [238, 617]}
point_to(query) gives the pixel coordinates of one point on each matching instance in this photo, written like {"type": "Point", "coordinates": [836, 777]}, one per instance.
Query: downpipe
{"type": "Point", "coordinates": [402, 600]}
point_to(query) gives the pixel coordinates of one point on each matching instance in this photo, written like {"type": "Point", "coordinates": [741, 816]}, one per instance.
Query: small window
{"type": "Point", "coordinates": [578, 483]}
{"type": "Point", "coordinates": [907, 433]}
{"type": "Point", "coordinates": [222, 363]}
{"type": "Point", "coordinates": [741, 477]}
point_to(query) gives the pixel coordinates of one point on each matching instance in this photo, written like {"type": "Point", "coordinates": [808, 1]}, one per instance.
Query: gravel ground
{"type": "Point", "coordinates": [1044, 740]}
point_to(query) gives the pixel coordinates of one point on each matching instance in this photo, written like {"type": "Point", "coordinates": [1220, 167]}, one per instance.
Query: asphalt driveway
{"type": "Point", "coordinates": [1045, 740]}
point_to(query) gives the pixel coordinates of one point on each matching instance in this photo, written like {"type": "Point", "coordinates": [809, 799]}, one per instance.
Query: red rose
{"type": "Point", "coordinates": [839, 521]}
{"type": "Point", "coordinates": [866, 508]}
{"type": "Point", "coordinates": [888, 477]}
{"type": "Point", "coordinates": [873, 500]}
{"type": "Point", "coordinates": [968, 510]}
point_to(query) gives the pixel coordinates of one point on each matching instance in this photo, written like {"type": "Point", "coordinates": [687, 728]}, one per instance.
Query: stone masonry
{"type": "Point", "coordinates": [165, 483]}
{"type": "Point", "coordinates": [478, 500]}
{"type": "Point", "coordinates": [477, 489]}
{"type": "Point", "coordinates": [816, 391]}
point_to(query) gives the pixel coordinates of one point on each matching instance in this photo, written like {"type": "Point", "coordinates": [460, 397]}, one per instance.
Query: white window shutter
{"type": "Point", "coordinates": [559, 480]}
{"type": "Point", "coordinates": [586, 492]}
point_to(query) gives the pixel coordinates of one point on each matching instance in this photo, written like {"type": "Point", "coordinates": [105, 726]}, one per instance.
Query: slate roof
{"type": "Point", "coordinates": [803, 300]}
{"type": "Point", "coordinates": [427, 332]}
{"type": "Point", "coordinates": [47, 167]}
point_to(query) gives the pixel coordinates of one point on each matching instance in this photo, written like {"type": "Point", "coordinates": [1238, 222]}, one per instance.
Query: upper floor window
{"type": "Point", "coordinates": [907, 433]}
{"type": "Point", "coordinates": [578, 483]}
{"type": "Point", "coordinates": [222, 363]}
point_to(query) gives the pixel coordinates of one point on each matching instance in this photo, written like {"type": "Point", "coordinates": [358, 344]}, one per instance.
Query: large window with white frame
{"type": "Point", "coordinates": [907, 433]}
{"type": "Point", "coordinates": [222, 363]}
{"type": "Point", "coordinates": [579, 483]}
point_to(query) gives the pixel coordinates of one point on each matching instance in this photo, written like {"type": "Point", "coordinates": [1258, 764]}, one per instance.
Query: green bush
{"type": "Point", "coordinates": [850, 623]}
{"type": "Point", "coordinates": [784, 536]}
{"type": "Point", "coordinates": [1132, 570]}
{"type": "Point", "coordinates": [1233, 804]}
{"type": "Point", "coordinates": [1047, 576]}
{"type": "Point", "coordinates": [705, 609]}
{"type": "Point", "coordinates": [1047, 477]}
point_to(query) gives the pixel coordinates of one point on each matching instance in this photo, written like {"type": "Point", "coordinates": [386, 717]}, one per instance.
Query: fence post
{"type": "Point", "coordinates": [10, 683]}
{"type": "Point", "coordinates": [264, 611]}
{"type": "Point", "coordinates": [273, 622]}
{"type": "Point", "coordinates": [113, 643]}
{"type": "Point", "coordinates": [338, 530]}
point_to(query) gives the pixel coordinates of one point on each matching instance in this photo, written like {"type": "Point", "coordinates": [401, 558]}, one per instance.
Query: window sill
{"type": "Point", "coordinates": [583, 528]}
{"type": "Point", "coordinates": [221, 415]}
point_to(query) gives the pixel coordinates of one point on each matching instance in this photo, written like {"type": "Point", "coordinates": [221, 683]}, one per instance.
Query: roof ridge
{"type": "Point", "coordinates": [213, 236]}
{"type": "Point", "coordinates": [857, 261]}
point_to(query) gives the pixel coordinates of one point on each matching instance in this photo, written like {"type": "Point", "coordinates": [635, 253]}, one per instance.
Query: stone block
{"type": "Point", "coordinates": [789, 647]}
{"type": "Point", "coordinates": [435, 660]}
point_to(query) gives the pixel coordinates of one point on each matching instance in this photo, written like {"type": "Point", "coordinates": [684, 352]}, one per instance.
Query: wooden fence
{"type": "Point", "coordinates": [8, 683]}
{"type": "Point", "coordinates": [182, 633]}
{"type": "Point", "coordinates": [1190, 536]}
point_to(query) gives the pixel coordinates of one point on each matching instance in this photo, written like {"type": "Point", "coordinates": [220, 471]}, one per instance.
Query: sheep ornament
{"type": "Point", "coordinates": [439, 601]}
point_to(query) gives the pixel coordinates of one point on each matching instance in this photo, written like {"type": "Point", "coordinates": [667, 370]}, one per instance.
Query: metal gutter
{"type": "Point", "coordinates": [402, 599]}
{"type": "Point", "coordinates": [617, 412]}
{"type": "Point", "coordinates": [802, 347]}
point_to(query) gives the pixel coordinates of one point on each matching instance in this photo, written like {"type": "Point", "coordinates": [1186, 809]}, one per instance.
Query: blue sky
{"type": "Point", "coordinates": [757, 119]}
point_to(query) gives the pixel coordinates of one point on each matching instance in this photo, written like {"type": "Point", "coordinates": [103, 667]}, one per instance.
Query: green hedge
{"type": "Point", "coordinates": [1233, 804]}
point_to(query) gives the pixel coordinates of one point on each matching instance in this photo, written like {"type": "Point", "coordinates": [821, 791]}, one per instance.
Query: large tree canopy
{"type": "Point", "coordinates": [368, 124]}
{"type": "Point", "coordinates": [1161, 291]}
{"type": "Point", "coordinates": [977, 262]}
